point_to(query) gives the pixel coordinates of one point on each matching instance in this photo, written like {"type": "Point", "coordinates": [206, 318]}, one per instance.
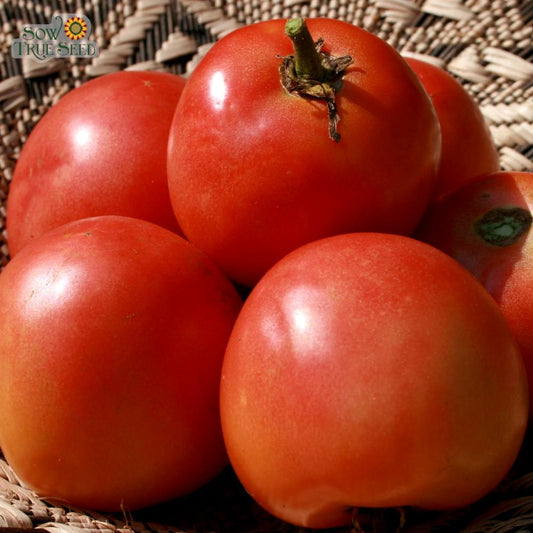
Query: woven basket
{"type": "Point", "coordinates": [486, 44]}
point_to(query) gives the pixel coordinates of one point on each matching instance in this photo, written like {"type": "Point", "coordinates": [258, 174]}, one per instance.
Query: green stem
{"type": "Point", "coordinates": [308, 62]}
{"type": "Point", "coordinates": [312, 73]}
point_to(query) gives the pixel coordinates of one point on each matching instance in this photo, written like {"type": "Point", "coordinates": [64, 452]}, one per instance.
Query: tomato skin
{"type": "Point", "coordinates": [101, 150]}
{"type": "Point", "coordinates": [468, 149]}
{"type": "Point", "coordinates": [370, 370]}
{"type": "Point", "coordinates": [505, 271]}
{"type": "Point", "coordinates": [252, 171]}
{"type": "Point", "coordinates": [112, 333]}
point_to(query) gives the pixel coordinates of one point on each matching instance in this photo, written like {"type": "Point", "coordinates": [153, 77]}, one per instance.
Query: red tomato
{"type": "Point", "coordinates": [468, 149]}
{"type": "Point", "coordinates": [370, 370]}
{"type": "Point", "coordinates": [485, 225]}
{"type": "Point", "coordinates": [253, 172]}
{"type": "Point", "coordinates": [112, 333]}
{"type": "Point", "coordinates": [101, 150]}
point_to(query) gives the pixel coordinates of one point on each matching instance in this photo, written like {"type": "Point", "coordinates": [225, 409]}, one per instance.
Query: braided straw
{"type": "Point", "coordinates": [486, 44]}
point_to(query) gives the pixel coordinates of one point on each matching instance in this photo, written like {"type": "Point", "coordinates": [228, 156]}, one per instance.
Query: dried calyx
{"type": "Point", "coordinates": [312, 73]}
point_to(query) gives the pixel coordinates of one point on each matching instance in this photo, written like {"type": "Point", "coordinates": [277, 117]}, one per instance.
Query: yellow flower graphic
{"type": "Point", "coordinates": [75, 28]}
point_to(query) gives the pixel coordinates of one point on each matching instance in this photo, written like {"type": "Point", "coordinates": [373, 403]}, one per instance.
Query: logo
{"type": "Point", "coordinates": [75, 28]}
{"type": "Point", "coordinates": [65, 36]}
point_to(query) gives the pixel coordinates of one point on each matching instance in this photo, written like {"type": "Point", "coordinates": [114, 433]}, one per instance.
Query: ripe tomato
{"type": "Point", "coordinates": [485, 225]}
{"type": "Point", "coordinates": [468, 149]}
{"type": "Point", "coordinates": [370, 370]}
{"type": "Point", "coordinates": [100, 150]}
{"type": "Point", "coordinates": [253, 172]}
{"type": "Point", "coordinates": [112, 334]}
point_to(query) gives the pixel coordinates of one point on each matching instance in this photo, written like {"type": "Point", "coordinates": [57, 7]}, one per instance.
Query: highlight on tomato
{"type": "Point", "coordinates": [100, 150]}
{"type": "Point", "coordinates": [486, 226]}
{"type": "Point", "coordinates": [263, 157]}
{"type": "Point", "coordinates": [370, 370]}
{"type": "Point", "coordinates": [112, 334]}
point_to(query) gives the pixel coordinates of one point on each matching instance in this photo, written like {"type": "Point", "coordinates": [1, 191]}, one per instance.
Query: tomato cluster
{"type": "Point", "coordinates": [353, 199]}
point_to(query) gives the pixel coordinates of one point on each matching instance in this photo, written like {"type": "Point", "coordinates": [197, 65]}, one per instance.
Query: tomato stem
{"type": "Point", "coordinates": [312, 73]}
{"type": "Point", "coordinates": [308, 62]}
{"type": "Point", "coordinates": [503, 226]}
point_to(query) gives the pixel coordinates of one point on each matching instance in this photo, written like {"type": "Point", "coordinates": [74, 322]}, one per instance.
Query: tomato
{"type": "Point", "coordinates": [112, 334]}
{"type": "Point", "coordinates": [101, 150]}
{"type": "Point", "coordinates": [486, 226]}
{"type": "Point", "coordinates": [255, 170]}
{"type": "Point", "coordinates": [468, 149]}
{"type": "Point", "coordinates": [370, 370]}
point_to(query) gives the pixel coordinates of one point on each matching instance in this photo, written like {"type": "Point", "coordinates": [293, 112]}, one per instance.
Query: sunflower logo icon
{"type": "Point", "coordinates": [75, 28]}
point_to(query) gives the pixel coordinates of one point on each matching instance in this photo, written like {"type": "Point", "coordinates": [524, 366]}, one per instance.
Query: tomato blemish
{"type": "Point", "coordinates": [503, 226]}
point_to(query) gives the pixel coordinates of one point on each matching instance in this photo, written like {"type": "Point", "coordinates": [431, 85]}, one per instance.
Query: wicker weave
{"type": "Point", "coordinates": [486, 44]}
